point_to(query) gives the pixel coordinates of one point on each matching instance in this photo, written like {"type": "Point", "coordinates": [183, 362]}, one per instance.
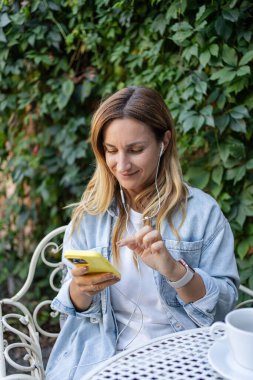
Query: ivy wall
{"type": "Point", "coordinates": [58, 58]}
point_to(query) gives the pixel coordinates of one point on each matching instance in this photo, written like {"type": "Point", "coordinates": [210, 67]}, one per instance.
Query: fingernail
{"type": "Point", "coordinates": [83, 269]}
{"type": "Point", "coordinates": [109, 276]}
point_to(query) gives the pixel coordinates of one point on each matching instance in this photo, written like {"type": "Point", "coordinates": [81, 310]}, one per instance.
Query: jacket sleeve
{"type": "Point", "coordinates": [219, 273]}
{"type": "Point", "coordinates": [62, 302]}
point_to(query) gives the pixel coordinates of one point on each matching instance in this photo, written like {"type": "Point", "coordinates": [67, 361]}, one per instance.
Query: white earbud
{"type": "Point", "coordinates": [162, 147]}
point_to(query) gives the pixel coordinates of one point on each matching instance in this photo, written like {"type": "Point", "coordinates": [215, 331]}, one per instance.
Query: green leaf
{"type": "Point", "coordinates": [190, 51]}
{"type": "Point", "coordinates": [182, 26]}
{"type": "Point", "coordinates": [181, 36]}
{"type": "Point", "coordinates": [85, 91]}
{"type": "Point", "coordinates": [194, 122]}
{"type": "Point", "coordinates": [221, 101]}
{"type": "Point", "coordinates": [200, 12]}
{"type": "Point", "coordinates": [245, 274]}
{"type": "Point", "coordinates": [223, 28]}
{"type": "Point", "coordinates": [248, 101]}
{"type": "Point", "coordinates": [240, 173]}
{"type": "Point", "coordinates": [229, 55]}
{"type": "Point", "coordinates": [204, 58]}
{"type": "Point", "coordinates": [246, 58]}
{"type": "Point", "coordinates": [224, 75]}
{"type": "Point", "coordinates": [214, 50]}
{"type": "Point", "coordinates": [215, 189]}
{"type": "Point", "coordinates": [2, 36]}
{"type": "Point", "coordinates": [231, 14]}
{"type": "Point", "coordinates": [222, 122]}
{"type": "Point", "coordinates": [243, 211]}
{"type": "Point", "coordinates": [200, 27]}
{"type": "Point", "coordinates": [239, 112]}
{"type": "Point", "coordinates": [198, 177]}
{"type": "Point", "coordinates": [67, 90]}
{"type": "Point", "coordinates": [217, 174]}
{"type": "Point", "coordinates": [238, 125]}
{"type": "Point", "coordinates": [207, 112]}
{"type": "Point", "coordinates": [232, 147]}
{"type": "Point", "coordinates": [18, 18]}
{"type": "Point", "coordinates": [249, 164]}
{"type": "Point", "coordinates": [203, 13]}
{"type": "Point", "coordinates": [251, 282]}
{"type": "Point", "coordinates": [159, 24]}
{"type": "Point", "coordinates": [242, 249]}
{"type": "Point", "coordinates": [172, 11]}
{"type": "Point", "coordinates": [243, 70]}
{"type": "Point", "coordinates": [4, 20]}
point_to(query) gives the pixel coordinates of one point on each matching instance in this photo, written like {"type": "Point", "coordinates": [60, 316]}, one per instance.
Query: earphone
{"type": "Point", "coordinates": [162, 148]}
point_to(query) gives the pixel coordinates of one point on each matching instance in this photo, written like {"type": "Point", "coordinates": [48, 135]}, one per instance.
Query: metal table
{"type": "Point", "coordinates": [178, 356]}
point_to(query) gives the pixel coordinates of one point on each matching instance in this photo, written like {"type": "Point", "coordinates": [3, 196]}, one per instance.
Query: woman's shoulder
{"type": "Point", "coordinates": [90, 221]}
{"type": "Point", "coordinates": [201, 198]}
{"type": "Point", "coordinates": [202, 205]}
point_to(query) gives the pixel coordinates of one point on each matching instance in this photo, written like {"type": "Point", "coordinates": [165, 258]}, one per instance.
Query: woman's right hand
{"type": "Point", "coordinates": [85, 285]}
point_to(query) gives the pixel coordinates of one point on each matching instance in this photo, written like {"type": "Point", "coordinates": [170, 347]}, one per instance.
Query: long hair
{"type": "Point", "coordinates": [147, 106]}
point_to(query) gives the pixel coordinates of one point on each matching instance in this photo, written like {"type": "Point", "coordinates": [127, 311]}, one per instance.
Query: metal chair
{"type": "Point", "coordinates": [28, 341]}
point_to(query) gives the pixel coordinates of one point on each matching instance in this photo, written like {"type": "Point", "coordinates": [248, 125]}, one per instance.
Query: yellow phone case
{"type": "Point", "coordinates": [94, 260]}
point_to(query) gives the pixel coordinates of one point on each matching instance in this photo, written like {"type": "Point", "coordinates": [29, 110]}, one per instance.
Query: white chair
{"type": "Point", "coordinates": [22, 326]}
{"type": "Point", "coordinates": [28, 340]}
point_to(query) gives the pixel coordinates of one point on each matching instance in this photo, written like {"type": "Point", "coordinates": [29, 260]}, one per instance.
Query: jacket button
{"type": "Point", "coordinates": [94, 320]}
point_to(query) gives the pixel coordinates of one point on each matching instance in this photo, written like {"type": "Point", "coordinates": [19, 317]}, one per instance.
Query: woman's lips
{"type": "Point", "coordinates": [128, 174]}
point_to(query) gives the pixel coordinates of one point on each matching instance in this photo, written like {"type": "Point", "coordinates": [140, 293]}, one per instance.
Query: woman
{"type": "Point", "coordinates": [171, 242]}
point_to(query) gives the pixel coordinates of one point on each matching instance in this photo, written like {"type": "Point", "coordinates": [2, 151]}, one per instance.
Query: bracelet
{"type": "Point", "coordinates": [186, 277]}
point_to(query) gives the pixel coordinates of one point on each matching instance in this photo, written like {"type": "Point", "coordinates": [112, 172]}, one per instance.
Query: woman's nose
{"type": "Point", "coordinates": [123, 163]}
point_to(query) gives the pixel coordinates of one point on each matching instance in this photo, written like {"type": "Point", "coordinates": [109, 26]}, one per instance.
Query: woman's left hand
{"type": "Point", "coordinates": [148, 245]}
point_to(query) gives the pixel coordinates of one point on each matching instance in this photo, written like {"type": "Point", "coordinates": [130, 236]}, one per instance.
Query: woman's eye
{"type": "Point", "coordinates": [136, 151]}
{"type": "Point", "coordinates": [110, 151]}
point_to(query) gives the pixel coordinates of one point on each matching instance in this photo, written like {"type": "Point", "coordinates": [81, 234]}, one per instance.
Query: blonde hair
{"type": "Point", "coordinates": [147, 106]}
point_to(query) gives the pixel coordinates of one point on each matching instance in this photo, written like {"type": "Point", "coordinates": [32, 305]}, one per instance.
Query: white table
{"type": "Point", "coordinates": [179, 356]}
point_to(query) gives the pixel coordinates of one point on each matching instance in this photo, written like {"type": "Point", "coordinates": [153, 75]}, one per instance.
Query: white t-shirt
{"type": "Point", "coordinates": [148, 320]}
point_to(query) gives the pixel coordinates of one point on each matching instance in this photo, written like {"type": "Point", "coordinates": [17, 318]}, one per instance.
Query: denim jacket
{"type": "Point", "coordinates": [88, 338]}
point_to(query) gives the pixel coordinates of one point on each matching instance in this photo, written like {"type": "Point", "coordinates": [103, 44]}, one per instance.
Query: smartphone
{"type": "Point", "coordinates": [95, 262]}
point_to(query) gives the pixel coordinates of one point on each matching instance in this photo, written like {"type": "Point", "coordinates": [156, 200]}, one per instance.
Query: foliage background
{"type": "Point", "coordinates": [58, 58]}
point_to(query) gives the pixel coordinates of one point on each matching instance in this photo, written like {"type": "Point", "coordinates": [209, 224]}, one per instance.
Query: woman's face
{"type": "Point", "coordinates": [131, 153]}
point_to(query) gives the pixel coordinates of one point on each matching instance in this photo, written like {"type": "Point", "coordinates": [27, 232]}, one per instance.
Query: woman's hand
{"type": "Point", "coordinates": [85, 285]}
{"type": "Point", "coordinates": [92, 283]}
{"type": "Point", "coordinates": [148, 245]}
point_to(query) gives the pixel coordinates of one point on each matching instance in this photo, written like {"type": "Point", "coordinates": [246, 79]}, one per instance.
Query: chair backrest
{"type": "Point", "coordinates": [28, 331]}
{"type": "Point", "coordinates": [22, 327]}
{"type": "Point", "coordinates": [244, 290]}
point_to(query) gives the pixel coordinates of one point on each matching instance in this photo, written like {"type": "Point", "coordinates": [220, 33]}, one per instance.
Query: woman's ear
{"type": "Point", "coordinates": [166, 139]}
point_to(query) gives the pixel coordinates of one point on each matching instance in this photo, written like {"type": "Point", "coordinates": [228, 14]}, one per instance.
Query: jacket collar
{"type": "Point", "coordinates": [113, 210]}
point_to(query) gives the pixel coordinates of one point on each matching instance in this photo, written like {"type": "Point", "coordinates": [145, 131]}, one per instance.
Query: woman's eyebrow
{"type": "Point", "coordinates": [128, 145]}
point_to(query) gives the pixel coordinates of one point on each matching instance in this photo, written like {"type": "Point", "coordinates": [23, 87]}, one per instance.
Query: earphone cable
{"type": "Point", "coordinates": [136, 304]}
{"type": "Point", "coordinates": [136, 307]}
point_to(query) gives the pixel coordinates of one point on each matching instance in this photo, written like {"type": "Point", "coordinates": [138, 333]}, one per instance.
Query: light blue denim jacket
{"type": "Point", "coordinates": [88, 338]}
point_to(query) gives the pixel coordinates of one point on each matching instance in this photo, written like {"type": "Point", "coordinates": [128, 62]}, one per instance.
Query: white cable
{"type": "Point", "coordinates": [136, 306]}
{"type": "Point", "coordinates": [124, 205]}
{"type": "Point", "coordinates": [157, 191]}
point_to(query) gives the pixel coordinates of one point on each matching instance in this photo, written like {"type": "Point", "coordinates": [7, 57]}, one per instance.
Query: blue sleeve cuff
{"type": "Point", "coordinates": [63, 304]}
{"type": "Point", "coordinates": [218, 292]}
